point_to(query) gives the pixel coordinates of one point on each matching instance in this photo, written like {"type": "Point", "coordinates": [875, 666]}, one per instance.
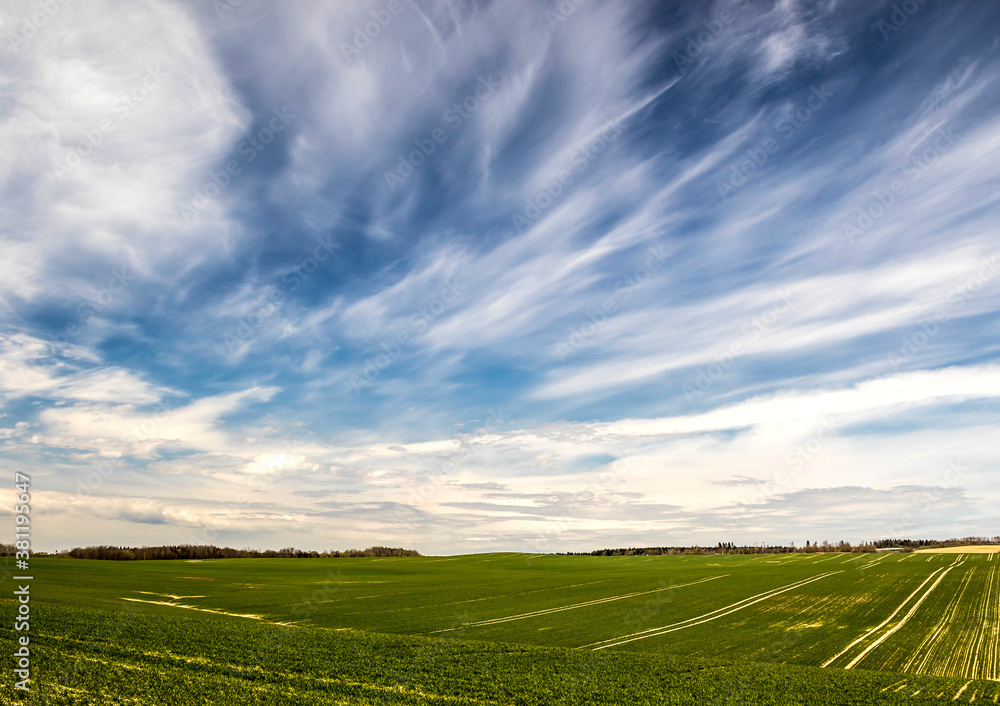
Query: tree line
{"type": "Point", "coordinates": [191, 551]}
{"type": "Point", "coordinates": [809, 548]}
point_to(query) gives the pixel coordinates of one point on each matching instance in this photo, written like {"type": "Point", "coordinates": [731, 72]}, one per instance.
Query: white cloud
{"type": "Point", "coordinates": [126, 429]}
{"type": "Point", "coordinates": [28, 368]}
{"type": "Point", "coordinates": [812, 314]}
{"type": "Point", "coordinates": [116, 115]}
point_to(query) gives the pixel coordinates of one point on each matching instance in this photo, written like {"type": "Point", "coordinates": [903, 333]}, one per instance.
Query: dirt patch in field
{"type": "Point", "coordinates": [978, 549]}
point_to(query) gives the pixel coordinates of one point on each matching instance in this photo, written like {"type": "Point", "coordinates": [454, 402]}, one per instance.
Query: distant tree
{"type": "Point", "coordinates": [185, 551]}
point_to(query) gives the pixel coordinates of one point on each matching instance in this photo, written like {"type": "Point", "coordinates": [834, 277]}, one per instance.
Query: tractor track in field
{"type": "Point", "coordinates": [988, 644]}
{"type": "Point", "coordinates": [706, 617]}
{"type": "Point", "coordinates": [964, 640]}
{"type": "Point", "coordinates": [559, 609]}
{"type": "Point", "coordinates": [936, 577]}
{"type": "Point", "coordinates": [249, 616]}
{"type": "Point", "coordinates": [927, 647]}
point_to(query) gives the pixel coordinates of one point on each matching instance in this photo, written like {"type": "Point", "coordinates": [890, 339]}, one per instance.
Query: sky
{"type": "Point", "coordinates": [467, 276]}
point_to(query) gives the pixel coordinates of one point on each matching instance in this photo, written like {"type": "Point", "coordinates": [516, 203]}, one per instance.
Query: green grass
{"type": "Point", "coordinates": [514, 628]}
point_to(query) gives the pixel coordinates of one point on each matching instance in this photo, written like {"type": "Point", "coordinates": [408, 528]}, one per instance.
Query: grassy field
{"type": "Point", "coordinates": [515, 628]}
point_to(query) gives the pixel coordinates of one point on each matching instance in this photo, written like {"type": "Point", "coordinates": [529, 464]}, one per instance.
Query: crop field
{"type": "Point", "coordinates": [516, 628]}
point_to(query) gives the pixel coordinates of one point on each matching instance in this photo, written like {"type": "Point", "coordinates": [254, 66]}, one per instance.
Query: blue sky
{"type": "Point", "coordinates": [473, 276]}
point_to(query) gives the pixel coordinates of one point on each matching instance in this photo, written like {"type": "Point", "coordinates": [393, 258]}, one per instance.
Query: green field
{"type": "Point", "coordinates": [518, 629]}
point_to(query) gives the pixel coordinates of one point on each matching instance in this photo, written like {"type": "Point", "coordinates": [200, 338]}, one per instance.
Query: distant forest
{"type": "Point", "coordinates": [906, 545]}
{"type": "Point", "coordinates": [188, 551]}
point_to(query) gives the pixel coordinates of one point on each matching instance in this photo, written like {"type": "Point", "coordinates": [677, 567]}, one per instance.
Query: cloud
{"type": "Point", "coordinates": [100, 147]}
{"type": "Point", "coordinates": [124, 428]}
{"type": "Point", "coordinates": [484, 486]}
{"type": "Point", "coordinates": [893, 512]}
{"type": "Point", "coordinates": [30, 366]}
{"type": "Point", "coordinates": [500, 280]}
{"type": "Point", "coordinates": [869, 400]}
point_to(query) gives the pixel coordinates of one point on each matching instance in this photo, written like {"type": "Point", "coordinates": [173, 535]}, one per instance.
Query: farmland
{"type": "Point", "coordinates": [881, 628]}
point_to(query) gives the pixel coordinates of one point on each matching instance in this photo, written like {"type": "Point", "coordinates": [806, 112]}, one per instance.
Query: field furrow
{"type": "Point", "coordinates": [698, 620]}
{"type": "Point", "coordinates": [883, 624]}
{"type": "Point", "coordinates": [950, 630]}
{"type": "Point", "coordinates": [574, 606]}
{"type": "Point", "coordinates": [902, 622]}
